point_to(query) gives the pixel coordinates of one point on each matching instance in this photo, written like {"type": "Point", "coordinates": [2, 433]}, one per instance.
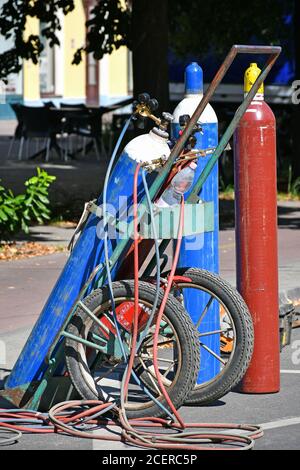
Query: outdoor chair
{"type": "Point", "coordinates": [87, 124]}
{"type": "Point", "coordinates": [17, 108]}
{"type": "Point", "coordinates": [39, 123]}
{"type": "Point", "coordinates": [71, 124]}
{"type": "Point", "coordinates": [73, 105]}
{"type": "Point", "coordinates": [49, 104]}
{"type": "Point", "coordinates": [118, 122]}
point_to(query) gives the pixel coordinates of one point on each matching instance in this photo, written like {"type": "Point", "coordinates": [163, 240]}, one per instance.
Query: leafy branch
{"type": "Point", "coordinates": [13, 19]}
{"type": "Point", "coordinates": [17, 212]}
{"type": "Point", "coordinates": [108, 28]}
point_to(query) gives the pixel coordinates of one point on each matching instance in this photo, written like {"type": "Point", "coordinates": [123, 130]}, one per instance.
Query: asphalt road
{"type": "Point", "coordinates": [278, 413]}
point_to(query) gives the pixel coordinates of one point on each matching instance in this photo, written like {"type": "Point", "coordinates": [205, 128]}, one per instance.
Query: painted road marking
{"type": "Point", "coordinates": [280, 423]}
{"type": "Point", "coordinates": [289, 371]}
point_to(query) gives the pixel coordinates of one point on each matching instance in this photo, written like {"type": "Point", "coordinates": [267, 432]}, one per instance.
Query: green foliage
{"type": "Point", "coordinates": [227, 192]}
{"type": "Point", "coordinates": [195, 28]}
{"type": "Point", "coordinates": [16, 212]}
{"type": "Point", "coordinates": [218, 24]}
{"type": "Point", "coordinates": [13, 17]}
{"type": "Point", "coordinates": [108, 28]}
{"type": "Point", "coordinates": [295, 187]}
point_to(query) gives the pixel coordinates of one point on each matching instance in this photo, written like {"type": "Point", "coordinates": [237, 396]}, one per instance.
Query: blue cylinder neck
{"type": "Point", "coordinates": [193, 79]}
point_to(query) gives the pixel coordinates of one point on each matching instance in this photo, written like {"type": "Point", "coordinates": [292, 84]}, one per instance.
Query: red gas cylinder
{"type": "Point", "coordinates": [256, 236]}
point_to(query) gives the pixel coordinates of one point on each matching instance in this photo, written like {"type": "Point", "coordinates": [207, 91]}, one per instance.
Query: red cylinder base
{"type": "Point", "coordinates": [256, 241]}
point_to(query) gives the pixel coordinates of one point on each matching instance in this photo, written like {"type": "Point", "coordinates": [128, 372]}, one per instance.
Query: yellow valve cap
{"type": "Point", "coordinates": [251, 75]}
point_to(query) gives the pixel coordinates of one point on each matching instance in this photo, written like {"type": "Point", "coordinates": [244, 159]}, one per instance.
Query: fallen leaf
{"type": "Point", "coordinates": [14, 251]}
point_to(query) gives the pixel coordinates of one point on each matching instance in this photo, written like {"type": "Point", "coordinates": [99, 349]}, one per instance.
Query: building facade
{"type": "Point", "coordinates": [56, 79]}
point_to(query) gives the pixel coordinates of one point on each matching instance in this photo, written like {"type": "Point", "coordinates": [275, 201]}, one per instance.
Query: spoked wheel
{"type": "Point", "coordinates": [229, 345]}
{"type": "Point", "coordinates": [94, 357]}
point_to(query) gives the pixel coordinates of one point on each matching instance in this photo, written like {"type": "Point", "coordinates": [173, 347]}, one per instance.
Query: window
{"type": "Point", "coordinates": [47, 68]}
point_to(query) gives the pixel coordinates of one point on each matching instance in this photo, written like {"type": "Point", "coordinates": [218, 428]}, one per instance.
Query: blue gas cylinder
{"type": "Point", "coordinates": [88, 252]}
{"type": "Point", "coordinates": [202, 251]}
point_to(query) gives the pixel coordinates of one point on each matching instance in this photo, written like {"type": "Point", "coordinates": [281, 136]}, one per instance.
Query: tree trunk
{"type": "Point", "coordinates": [296, 111]}
{"type": "Point", "coordinates": [150, 49]}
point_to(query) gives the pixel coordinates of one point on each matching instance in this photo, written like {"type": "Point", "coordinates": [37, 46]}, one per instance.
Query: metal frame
{"type": "Point", "coordinates": [55, 354]}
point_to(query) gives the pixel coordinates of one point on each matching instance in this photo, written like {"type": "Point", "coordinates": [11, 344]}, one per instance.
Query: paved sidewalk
{"type": "Point", "coordinates": [288, 247]}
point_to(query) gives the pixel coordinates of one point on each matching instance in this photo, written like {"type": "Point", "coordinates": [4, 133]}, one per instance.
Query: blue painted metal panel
{"type": "Point", "coordinates": [202, 251]}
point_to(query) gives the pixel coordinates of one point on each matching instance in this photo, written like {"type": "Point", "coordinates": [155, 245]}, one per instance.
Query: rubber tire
{"type": "Point", "coordinates": [214, 390]}
{"type": "Point", "coordinates": [176, 315]}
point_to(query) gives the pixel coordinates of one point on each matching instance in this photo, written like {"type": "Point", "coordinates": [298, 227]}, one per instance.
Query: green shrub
{"type": "Point", "coordinates": [295, 187]}
{"type": "Point", "coordinates": [17, 212]}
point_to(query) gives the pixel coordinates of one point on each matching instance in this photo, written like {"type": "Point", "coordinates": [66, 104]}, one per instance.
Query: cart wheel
{"type": "Point", "coordinates": [236, 332]}
{"type": "Point", "coordinates": [97, 373]}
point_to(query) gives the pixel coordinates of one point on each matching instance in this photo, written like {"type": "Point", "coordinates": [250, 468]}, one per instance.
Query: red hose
{"type": "Point", "coordinates": [163, 304]}
{"type": "Point", "coordinates": [160, 314]}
